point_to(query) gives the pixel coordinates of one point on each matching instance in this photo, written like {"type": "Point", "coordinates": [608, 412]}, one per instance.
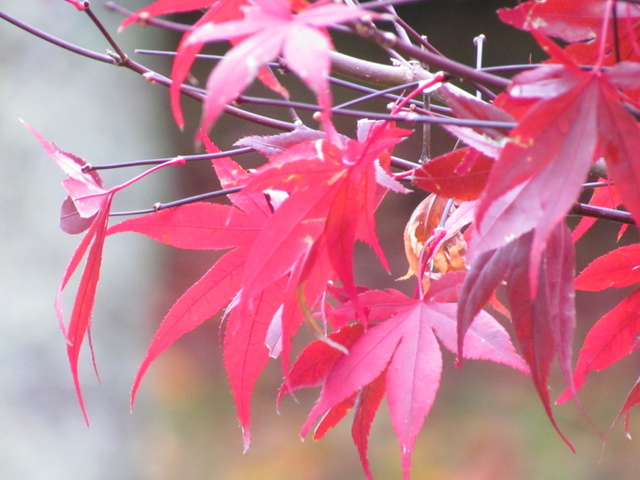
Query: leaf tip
{"type": "Point", "coordinates": [246, 440]}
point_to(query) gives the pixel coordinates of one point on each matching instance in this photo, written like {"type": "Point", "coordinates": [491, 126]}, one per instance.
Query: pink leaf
{"type": "Point", "coordinates": [270, 145]}
{"type": "Point", "coordinates": [71, 221]}
{"type": "Point", "coordinates": [403, 342]}
{"type": "Point", "coordinates": [84, 187]}
{"type": "Point", "coordinates": [311, 63]}
{"type": "Point", "coordinates": [485, 339]}
{"type": "Point", "coordinates": [245, 352]}
{"type": "Point", "coordinates": [544, 323]}
{"type": "Point", "coordinates": [80, 321]}
{"type": "Point", "coordinates": [413, 378]}
{"type": "Point", "coordinates": [87, 206]}
{"type": "Point", "coordinates": [235, 72]}
{"type": "Point", "coordinates": [221, 11]}
{"type": "Point", "coordinates": [267, 30]}
{"type": "Point", "coordinates": [544, 143]}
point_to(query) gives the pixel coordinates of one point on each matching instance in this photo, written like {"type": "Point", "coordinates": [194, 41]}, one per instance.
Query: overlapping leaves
{"type": "Point", "coordinates": [398, 357]}
{"type": "Point", "coordinates": [87, 208]}
{"type": "Point", "coordinates": [290, 232]}
{"type": "Point", "coordinates": [615, 334]}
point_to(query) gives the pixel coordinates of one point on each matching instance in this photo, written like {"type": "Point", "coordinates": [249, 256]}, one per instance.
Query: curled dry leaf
{"type": "Point", "coordinates": [421, 231]}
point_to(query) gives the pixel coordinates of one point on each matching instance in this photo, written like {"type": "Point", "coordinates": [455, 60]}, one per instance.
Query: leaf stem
{"type": "Point", "coordinates": [162, 206]}
{"type": "Point", "coordinates": [57, 41]}
{"type": "Point", "coordinates": [186, 158]}
{"type": "Point", "coordinates": [103, 31]}
{"type": "Point", "coordinates": [175, 161]}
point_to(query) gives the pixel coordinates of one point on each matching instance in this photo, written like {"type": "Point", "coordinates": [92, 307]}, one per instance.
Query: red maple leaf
{"type": "Point", "coordinates": [86, 208]}
{"type": "Point", "coordinates": [615, 335]}
{"type": "Point", "coordinates": [570, 20]}
{"type": "Point", "coordinates": [402, 342]}
{"type": "Point", "coordinates": [618, 268]}
{"type": "Point", "coordinates": [208, 226]}
{"type": "Point", "coordinates": [612, 338]}
{"type": "Point", "coordinates": [577, 118]}
{"type": "Point", "coordinates": [580, 22]}
{"type": "Point", "coordinates": [333, 193]}
{"type": "Point", "coordinates": [268, 29]}
{"type": "Point", "coordinates": [461, 174]}
{"type": "Point", "coordinates": [280, 262]}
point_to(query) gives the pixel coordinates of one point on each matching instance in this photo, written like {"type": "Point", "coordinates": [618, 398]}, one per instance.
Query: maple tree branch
{"type": "Point", "coordinates": [410, 117]}
{"type": "Point", "coordinates": [387, 94]}
{"type": "Point", "coordinates": [186, 158]}
{"type": "Point", "coordinates": [105, 33]}
{"type": "Point", "coordinates": [395, 161]}
{"type": "Point", "coordinates": [377, 73]}
{"type": "Point", "coordinates": [389, 40]}
{"type": "Point", "coordinates": [162, 206]}
{"type": "Point", "coordinates": [156, 22]}
{"type": "Point", "coordinates": [420, 39]}
{"type": "Point", "coordinates": [351, 67]}
{"type": "Point", "coordinates": [394, 74]}
{"type": "Point", "coordinates": [57, 41]}
{"type": "Point", "coordinates": [122, 60]}
{"type": "Point", "coordinates": [611, 214]}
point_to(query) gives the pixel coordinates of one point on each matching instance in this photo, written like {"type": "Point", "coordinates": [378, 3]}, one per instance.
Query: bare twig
{"type": "Point", "coordinates": [613, 215]}
{"type": "Point", "coordinates": [57, 41]}
{"type": "Point", "coordinates": [162, 206]}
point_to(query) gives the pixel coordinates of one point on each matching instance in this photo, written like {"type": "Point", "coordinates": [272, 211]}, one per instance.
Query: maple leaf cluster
{"type": "Point", "coordinates": [494, 221]}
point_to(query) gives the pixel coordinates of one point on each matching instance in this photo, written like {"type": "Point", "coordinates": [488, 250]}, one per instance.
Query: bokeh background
{"type": "Point", "coordinates": [487, 423]}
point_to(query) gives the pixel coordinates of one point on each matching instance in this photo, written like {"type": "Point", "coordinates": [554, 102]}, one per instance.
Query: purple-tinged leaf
{"type": "Point", "coordinates": [270, 145]}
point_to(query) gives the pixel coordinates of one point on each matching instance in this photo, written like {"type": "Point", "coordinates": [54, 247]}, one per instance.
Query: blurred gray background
{"type": "Point", "coordinates": [103, 115]}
